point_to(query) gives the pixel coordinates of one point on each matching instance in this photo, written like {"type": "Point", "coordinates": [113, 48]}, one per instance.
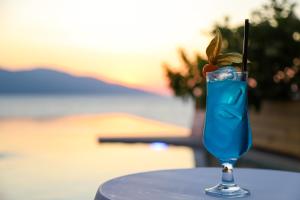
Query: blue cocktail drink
{"type": "Point", "coordinates": [227, 132]}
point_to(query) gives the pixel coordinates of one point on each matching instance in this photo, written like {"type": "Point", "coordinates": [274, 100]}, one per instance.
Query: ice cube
{"type": "Point", "coordinates": [223, 73]}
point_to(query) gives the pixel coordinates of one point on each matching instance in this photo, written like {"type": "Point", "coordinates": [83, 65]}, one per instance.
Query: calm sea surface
{"type": "Point", "coordinates": [49, 148]}
{"type": "Point", "coordinates": [164, 109]}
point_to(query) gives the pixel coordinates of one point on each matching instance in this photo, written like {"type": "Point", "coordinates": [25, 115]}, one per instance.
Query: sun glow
{"type": "Point", "coordinates": [124, 41]}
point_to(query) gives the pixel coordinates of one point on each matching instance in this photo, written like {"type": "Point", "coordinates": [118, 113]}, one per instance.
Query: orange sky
{"type": "Point", "coordinates": [123, 41]}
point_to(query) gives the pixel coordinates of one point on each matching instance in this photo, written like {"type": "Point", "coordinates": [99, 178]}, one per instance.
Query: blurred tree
{"type": "Point", "coordinates": [188, 82]}
{"type": "Point", "coordinates": [274, 51]}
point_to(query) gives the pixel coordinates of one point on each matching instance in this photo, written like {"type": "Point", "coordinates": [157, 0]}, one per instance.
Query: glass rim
{"type": "Point", "coordinates": [243, 76]}
{"type": "Point", "coordinates": [245, 72]}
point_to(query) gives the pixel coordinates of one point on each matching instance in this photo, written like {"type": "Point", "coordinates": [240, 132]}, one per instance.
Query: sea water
{"type": "Point", "coordinates": [227, 132]}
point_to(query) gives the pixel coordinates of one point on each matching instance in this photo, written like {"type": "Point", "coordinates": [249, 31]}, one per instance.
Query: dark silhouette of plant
{"type": "Point", "coordinates": [188, 82]}
{"type": "Point", "coordinates": [274, 52]}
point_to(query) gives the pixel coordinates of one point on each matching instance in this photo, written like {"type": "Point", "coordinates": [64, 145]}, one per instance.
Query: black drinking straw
{"type": "Point", "coordinates": [245, 45]}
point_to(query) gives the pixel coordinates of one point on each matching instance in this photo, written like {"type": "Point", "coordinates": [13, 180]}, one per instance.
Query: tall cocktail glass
{"type": "Point", "coordinates": [227, 132]}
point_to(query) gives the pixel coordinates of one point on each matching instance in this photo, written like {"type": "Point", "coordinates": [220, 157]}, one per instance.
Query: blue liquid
{"type": "Point", "coordinates": [227, 133]}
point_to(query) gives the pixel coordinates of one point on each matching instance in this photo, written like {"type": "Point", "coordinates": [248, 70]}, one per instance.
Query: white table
{"type": "Point", "coordinates": [189, 184]}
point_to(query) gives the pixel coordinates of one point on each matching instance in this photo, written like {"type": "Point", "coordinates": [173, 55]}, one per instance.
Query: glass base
{"type": "Point", "coordinates": [227, 191]}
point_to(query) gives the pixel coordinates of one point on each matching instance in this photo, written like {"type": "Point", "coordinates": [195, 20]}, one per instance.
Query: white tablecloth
{"type": "Point", "coordinates": [189, 184]}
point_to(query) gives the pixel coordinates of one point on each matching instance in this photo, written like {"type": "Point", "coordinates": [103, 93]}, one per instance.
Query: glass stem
{"type": "Point", "coordinates": [227, 174]}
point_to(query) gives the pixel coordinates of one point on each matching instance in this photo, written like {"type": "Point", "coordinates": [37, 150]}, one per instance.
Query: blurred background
{"type": "Point", "coordinates": [79, 80]}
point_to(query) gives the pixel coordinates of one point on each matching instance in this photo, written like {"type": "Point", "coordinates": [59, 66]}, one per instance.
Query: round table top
{"type": "Point", "coordinates": [189, 184]}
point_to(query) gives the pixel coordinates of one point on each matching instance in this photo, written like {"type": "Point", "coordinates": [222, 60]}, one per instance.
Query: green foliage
{"type": "Point", "coordinates": [188, 82]}
{"type": "Point", "coordinates": [274, 52]}
{"type": "Point", "coordinates": [274, 49]}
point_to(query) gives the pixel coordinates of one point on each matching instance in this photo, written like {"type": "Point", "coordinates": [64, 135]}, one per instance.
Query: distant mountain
{"type": "Point", "coordinates": [46, 81]}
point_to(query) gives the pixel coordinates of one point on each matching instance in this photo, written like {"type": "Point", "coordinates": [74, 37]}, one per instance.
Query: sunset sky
{"type": "Point", "coordinates": [123, 41]}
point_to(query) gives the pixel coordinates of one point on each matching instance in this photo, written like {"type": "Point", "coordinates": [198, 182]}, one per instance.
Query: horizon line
{"type": "Point", "coordinates": [156, 91]}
